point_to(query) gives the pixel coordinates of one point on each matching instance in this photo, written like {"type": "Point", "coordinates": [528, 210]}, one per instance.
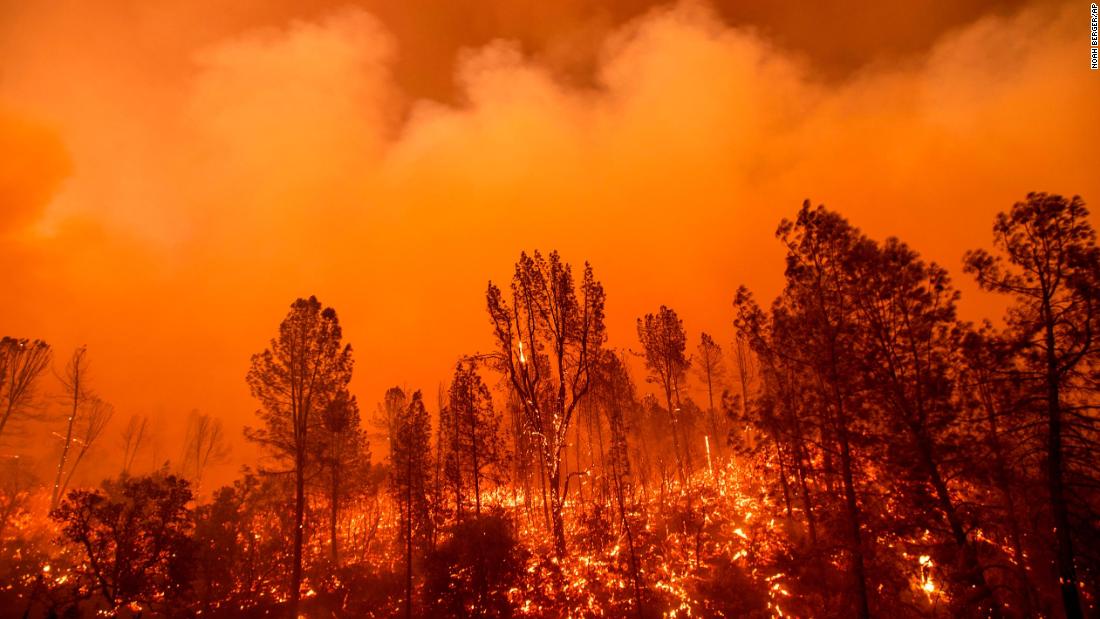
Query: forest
{"type": "Point", "coordinates": [859, 450]}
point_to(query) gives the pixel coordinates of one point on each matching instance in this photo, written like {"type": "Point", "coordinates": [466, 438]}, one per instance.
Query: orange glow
{"type": "Point", "coordinates": [172, 176]}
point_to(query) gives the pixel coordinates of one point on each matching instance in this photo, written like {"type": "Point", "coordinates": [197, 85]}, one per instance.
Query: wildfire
{"type": "Point", "coordinates": [715, 519]}
{"type": "Point", "coordinates": [925, 582]}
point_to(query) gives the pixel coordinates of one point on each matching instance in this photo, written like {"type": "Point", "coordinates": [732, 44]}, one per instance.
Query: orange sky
{"type": "Point", "coordinates": [172, 176]}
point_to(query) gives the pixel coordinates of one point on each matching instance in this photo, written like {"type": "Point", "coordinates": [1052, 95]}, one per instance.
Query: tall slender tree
{"type": "Point", "coordinates": [410, 470]}
{"type": "Point", "coordinates": [615, 395]}
{"type": "Point", "coordinates": [818, 300]}
{"type": "Point", "coordinates": [786, 429]}
{"type": "Point", "coordinates": [344, 451]}
{"type": "Point", "coordinates": [548, 335]}
{"type": "Point", "coordinates": [906, 341]}
{"type": "Point", "coordinates": [746, 374]}
{"type": "Point", "coordinates": [390, 409]}
{"type": "Point", "coordinates": [204, 444]}
{"type": "Point", "coordinates": [132, 440]}
{"type": "Point", "coordinates": [473, 445]}
{"type": "Point", "coordinates": [664, 347]}
{"type": "Point", "coordinates": [86, 417]}
{"type": "Point", "coordinates": [1049, 264]}
{"type": "Point", "coordinates": [711, 369]}
{"type": "Point", "coordinates": [295, 380]}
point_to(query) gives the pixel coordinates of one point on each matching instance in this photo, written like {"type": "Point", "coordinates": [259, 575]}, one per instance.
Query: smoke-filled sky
{"type": "Point", "coordinates": [173, 174]}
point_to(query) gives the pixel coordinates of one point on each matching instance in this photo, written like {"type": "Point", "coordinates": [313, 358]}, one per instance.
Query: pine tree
{"type": "Point", "coordinates": [548, 336]}
{"type": "Point", "coordinates": [664, 346]}
{"type": "Point", "coordinates": [343, 452]}
{"type": "Point", "coordinates": [817, 303]}
{"type": "Point", "coordinates": [1049, 264]}
{"type": "Point", "coordinates": [711, 369]}
{"type": "Point", "coordinates": [473, 443]}
{"type": "Point", "coordinates": [295, 380]}
{"type": "Point", "coordinates": [410, 469]}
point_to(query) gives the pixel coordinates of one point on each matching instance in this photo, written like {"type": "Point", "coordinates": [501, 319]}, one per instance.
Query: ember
{"type": "Point", "coordinates": [483, 426]}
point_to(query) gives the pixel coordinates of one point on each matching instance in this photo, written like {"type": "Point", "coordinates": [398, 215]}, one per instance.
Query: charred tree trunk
{"type": "Point", "coordinates": [299, 525]}
{"type": "Point", "coordinates": [804, 488]}
{"type": "Point", "coordinates": [1001, 480]}
{"type": "Point", "coordinates": [1067, 570]}
{"type": "Point", "coordinates": [408, 538]}
{"type": "Point", "coordinates": [335, 506]}
{"type": "Point", "coordinates": [783, 481]}
{"type": "Point", "coordinates": [557, 523]}
{"type": "Point", "coordinates": [474, 463]}
{"type": "Point", "coordinates": [64, 455]}
{"type": "Point", "coordinates": [674, 419]}
{"type": "Point", "coordinates": [859, 570]}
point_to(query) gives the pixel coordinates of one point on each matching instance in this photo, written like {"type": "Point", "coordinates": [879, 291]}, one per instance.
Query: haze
{"type": "Point", "coordinates": [173, 175]}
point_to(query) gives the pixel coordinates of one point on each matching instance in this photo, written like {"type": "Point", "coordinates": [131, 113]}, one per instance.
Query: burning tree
{"type": "Point", "coordinates": [22, 363]}
{"type": "Point", "coordinates": [1053, 275]}
{"type": "Point", "coordinates": [894, 459]}
{"type": "Point", "coordinates": [470, 429]}
{"type": "Point", "coordinates": [711, 369]}
{"type": "Point", "coordinates": [817, 305]}
{"type": "Point", "coordinates": [664, 346]}
{"type": "Point", "coordinates": [344, 451]}
{"type": "Point", "coordinates": [410, 465]}
{"type": "Point", "coordinates": [548, 336]}
{"type": "Point", "coordinates": [295, 380]}
{"type": "Point", "coordinates": [87, 416]}
{"type": "Point", "coordinates": [135, 535]}
{"type": "Point", "coordinates": [615, 395]}
{"type": "Point", "coordinates": [906, 341]}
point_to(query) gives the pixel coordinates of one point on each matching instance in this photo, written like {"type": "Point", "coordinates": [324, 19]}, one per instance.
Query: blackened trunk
{"type": "Point", "coordinates": [783, 481]}
{"type": "Point", "coordinates": [859, 570]}
{"type": "Point", "coordinates": [474, 462]}
{"type": "Point", "coordinates": [975, 575]}
{"type": "Point", "coordinates": [1067, 571]}
{"type": "Point", "coordinates": [674, 418]}
{"type": "Point", "coordinates": [299, 524]}
{"type": "Point", "coordinates": [1001, 478]}
{"type": "Point", "coordinates": [68, 441]}
{"type": "Point", "coordinates": [408, 537]}
{"type": "Point", "coordinates": [335, 510]}
{"type": "Point", "coordinates": [558, 524]}
{"type": "Point", "coordinates": [807, 501]}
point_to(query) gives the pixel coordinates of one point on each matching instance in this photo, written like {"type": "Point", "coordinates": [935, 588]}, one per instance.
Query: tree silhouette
{"type": "Point", "coordinates": [133, 438]}
{"type": "Point", "coordinates": [344, 450]}
{"type": "Point", "coordinates": [548, 335]}
{"type": "Point", "coordinates": [1049, 264]}
{"type": "Point", "coordinates": [410, 464]}
{"type": "Point", "coordinates": [664, 346]}
{"type": "Point", "coordinates": [295, 380]}
{"type": "Point", "coordinates": [87, 416]}
{"type": "Point", "coordinates": [711, 368]}
{"type": "Point", "coordinates": [615, 394]}
{"type": "Point", "coordinates": [470, 574]}
{"type": "Point", "coordinates": [22, 363]}
{"type": "Point", "coordinates": [135, 537]}
{"type": "Point", "coordinates": [471, 431]}
{"type": "Point", "coordinates": [906, 342]}
{"type": "Point", "coordinates": [204, 444]}
{"type": "Point", "coordinates": [818, 302]}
